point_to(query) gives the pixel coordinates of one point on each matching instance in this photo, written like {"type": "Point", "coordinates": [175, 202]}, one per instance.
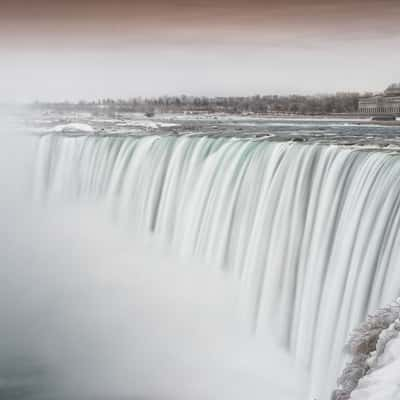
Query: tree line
{"type": "Point", "coordinates": [272, 104]}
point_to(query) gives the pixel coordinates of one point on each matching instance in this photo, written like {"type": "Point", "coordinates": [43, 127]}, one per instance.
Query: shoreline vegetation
{"type": "Point", "coordinates": [318, 105]}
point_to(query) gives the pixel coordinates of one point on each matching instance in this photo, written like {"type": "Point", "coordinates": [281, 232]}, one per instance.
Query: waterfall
{"type": "Point", "coordinates": [310, 231]}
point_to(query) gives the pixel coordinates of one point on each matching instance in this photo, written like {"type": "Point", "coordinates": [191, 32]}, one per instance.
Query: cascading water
{"type": "Point", "coordinates": [310, 231]}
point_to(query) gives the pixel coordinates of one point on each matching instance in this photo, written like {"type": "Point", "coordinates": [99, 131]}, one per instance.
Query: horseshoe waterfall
{"type": "Point", "coordinates": [310, 231]}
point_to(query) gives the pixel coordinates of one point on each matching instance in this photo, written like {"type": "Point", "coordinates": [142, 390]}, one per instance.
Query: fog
{"type": "Point", "coordinates": [88, 311]}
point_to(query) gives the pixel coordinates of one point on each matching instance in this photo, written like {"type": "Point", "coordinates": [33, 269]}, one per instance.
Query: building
{"type": "Point", "coordinates": [386, 103]}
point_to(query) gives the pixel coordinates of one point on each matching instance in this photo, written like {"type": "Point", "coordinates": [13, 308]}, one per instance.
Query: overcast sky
{"type": "Point", "coordinates": [55, 50]}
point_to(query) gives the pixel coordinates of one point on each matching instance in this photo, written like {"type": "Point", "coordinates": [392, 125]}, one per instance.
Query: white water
{"type": "Point", "coordinates": [309, 231]}
{"type": "Point", "coordinates": [89, 312]}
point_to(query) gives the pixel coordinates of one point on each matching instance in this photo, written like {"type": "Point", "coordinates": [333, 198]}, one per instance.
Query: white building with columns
{"type": "Point", "coordinates": [386, 103]}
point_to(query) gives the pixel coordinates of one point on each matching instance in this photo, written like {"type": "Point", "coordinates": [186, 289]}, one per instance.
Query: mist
{"type": "Point", "coordinates": [87, 311]}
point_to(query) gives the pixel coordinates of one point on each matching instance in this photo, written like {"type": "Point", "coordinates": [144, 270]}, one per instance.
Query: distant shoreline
{"type": "Point", "coordinates": [354, 117]}
{"type": "Point", "coordinates": [272, 114]}
{"type": "Point", "coordinates": [383, 123]}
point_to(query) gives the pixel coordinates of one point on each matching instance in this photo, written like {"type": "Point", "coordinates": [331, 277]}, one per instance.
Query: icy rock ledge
{"type": "Point", "coordinates": [374, 371]}
{"type": "Point", "coordinates": [71, 128]}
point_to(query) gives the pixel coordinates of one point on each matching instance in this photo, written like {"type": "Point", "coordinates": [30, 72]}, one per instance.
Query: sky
{"type": "Point", "coordinates": [71, 50]}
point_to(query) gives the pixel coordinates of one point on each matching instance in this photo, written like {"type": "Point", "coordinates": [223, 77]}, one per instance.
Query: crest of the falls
{"type": "Point", "coordinates": [310, 231]}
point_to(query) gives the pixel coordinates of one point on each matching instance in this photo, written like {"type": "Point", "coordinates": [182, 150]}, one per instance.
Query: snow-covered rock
{"type": "Point", "coordinates": [374, 371]}
{"type": "Point", "coordinates": [71, 128]}
{"type": "Point", "coordinates": [382, 382]}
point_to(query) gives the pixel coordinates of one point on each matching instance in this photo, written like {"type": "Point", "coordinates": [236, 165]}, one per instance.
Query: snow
{"type": "Point", "coordinates": [373, 372]}
{"type": "Point", "coordinates": [71, 128]}
{"type": "Point", "coordinates": [383, 380]}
